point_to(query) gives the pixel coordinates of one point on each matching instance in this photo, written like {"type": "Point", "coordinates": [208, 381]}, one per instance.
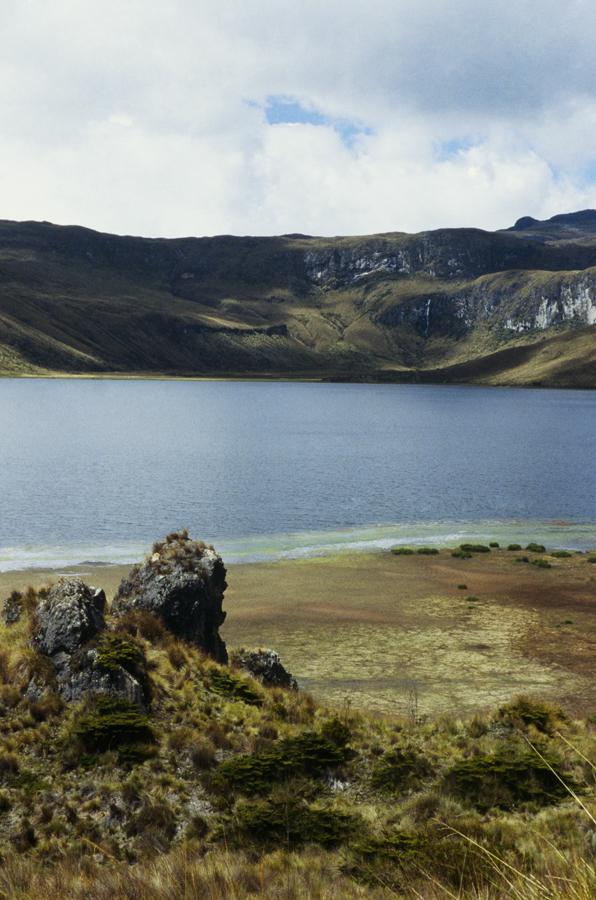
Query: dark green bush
{"type": "Point", "coordinates": [109, 723]}
{"type": "Point", "coordinates": [462, 587]}
{"type": "Point", "coordinates": [427, 551]}
{"type": "Point", "coordinates": [292, 822]}
{"type": "Point", "coordinates": [505, 780]}
{"type": "Point", "coordinates": [461, 554]}
{"type": "Point", "coordinates": [592, 559]}
{"type": "Point", "coordinates": [309, 754]}
{"type": "Point", "coordinates": [561, 554]}
{"type": "Point", "coordinates": [472, 599]}
{"type": "Point", "coordinates": [234, 688]}
{"type": "Point", "coordinates": [536, 548]}
{"type": "Point", "coordinates": [402, 551]}
{"type": "Point", "coordinates": [400, 768]}
{"type": "Point", "coordinates": [395, 845]}
{"type": "Point", "coordinates": [522, 559]}
{"type": "Point", "coordinates": [494, 544]}
{"type": "Point", "coordinates": [542, 563]}
{"type": "Point", "coordinates": [525, 711]}
{"type": "Point", "coordinates": [474, 548]}
{"type": "Point", "coordinates": [514, 547]}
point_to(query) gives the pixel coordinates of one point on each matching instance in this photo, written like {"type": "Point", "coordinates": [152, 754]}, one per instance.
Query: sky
{"type": "Point", "coordinates": [195, 117]}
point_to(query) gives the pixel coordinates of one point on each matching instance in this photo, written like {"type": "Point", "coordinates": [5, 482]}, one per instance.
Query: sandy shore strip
{"type": "Point", "coordinates": [396, 632]}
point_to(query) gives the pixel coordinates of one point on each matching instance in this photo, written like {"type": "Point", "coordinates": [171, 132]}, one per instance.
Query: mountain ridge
{"type": "Point", "coordinates": [516, 306]}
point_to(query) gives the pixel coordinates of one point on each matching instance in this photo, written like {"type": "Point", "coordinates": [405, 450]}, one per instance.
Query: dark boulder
{"type": "Point", "coordinates": [67, 617]}
{"type": "Point", "coordinates": [266, 666]}
{"type": "Point", "coordinates": [182, 582]}
{"type": "Point", "coordinates": [69, 629]}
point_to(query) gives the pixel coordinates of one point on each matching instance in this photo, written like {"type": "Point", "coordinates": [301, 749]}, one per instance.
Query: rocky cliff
{"type": "Point", "coordinates": [389, 306]}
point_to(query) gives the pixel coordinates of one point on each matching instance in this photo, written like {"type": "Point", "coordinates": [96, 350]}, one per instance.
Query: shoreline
{"type": "Point", "coordinates": [369, 628]}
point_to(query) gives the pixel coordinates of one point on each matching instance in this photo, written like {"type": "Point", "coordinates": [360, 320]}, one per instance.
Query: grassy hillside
{"type": "Point", "coordinates": [226, 789]}
{"type": "Point", "coordinates": [452, 305]}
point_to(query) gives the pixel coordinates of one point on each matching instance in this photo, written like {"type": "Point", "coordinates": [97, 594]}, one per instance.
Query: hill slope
{"type": "Point", "coordinates": [516, 306]}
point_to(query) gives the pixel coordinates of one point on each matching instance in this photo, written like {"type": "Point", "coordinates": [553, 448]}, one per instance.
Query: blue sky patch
{"type": "Point", "coordinates": [448, 149]}
{"type": "Point", "coordinates": [282, 110]}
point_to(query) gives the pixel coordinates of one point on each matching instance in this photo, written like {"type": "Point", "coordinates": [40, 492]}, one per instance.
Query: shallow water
{"type": "Point", "coordinates": [95, 470]}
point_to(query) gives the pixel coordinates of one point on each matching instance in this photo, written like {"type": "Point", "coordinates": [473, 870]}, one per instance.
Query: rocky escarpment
{"type": "Point", "coordinates": [266, 666]}
{"type": "Point", "coordinates": [183, 583]}
{"type": "Point", "coordinates": [75, 300]}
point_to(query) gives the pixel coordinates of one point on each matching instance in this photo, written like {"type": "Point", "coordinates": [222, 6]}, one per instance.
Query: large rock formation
{"type": "Point", "coordinates": [183, 582]}
{"type": "Point", "coordinates": [69, 628]}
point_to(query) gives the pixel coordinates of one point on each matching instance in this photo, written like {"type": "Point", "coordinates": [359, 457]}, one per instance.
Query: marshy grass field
{"type": "Point", "coordinates": [390, 633]}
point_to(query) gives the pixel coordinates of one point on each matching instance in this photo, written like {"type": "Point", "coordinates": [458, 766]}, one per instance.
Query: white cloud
{"type": "Point", "coordinates": [133, 117]}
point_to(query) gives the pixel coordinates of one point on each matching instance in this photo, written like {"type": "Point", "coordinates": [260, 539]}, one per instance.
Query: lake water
{"type": "Point", "coordinates": [98, 469]}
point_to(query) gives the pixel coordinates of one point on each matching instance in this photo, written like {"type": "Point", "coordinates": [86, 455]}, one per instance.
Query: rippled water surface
{"type": "Point", "coordinates": [97, 469]}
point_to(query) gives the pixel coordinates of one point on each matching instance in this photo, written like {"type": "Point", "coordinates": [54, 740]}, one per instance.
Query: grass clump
{"type": "Point", "coordinates": [109, 723]}
{"type": "Point", "coordinates": [474, 548]}
{"type": "Point", "coordinates": [308, 754]}
{"type": "Point", "coordinates": [536, 548]}
{"type": "Point", "coordinates": [402, 551]}
{"type": "Point", "coordinates": [400, 768]}
{"type": "Point", "coordinates": [505, 779]}
{"type": "Point", "coordinates": [232, 687]}
{"type": "Point", "coordinates": [524, 712]}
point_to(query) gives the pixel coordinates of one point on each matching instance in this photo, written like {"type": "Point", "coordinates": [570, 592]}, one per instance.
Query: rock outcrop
{"type": "Point", "coordinates": [266, 666]}
{"type": "Point", "coordinates": [69, 628]}
{"type": "Point", "coordinates": [182, 582]}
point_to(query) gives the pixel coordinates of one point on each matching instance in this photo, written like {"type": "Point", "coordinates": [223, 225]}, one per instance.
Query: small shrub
{"type": "Point", "coordinates": [9, 764]}
{"type": "Point", "coordinates": [525, 711]}
{"type": "Point", "coordinates": [391, 845]}
{"type": "Point", "coordinates": [402, 551]}
{"type": "Point", "coordinates": [155, 823]}
{"type": "Point", "coordinates": [46, 707]}
{"type": "Point", "coordinates": [4, 668]}
{"type": "Point", "coordinates": [514, 547]}
{"type": "Point", "coordinates": [472, 599]}
{"type": "Point", "coordinates": [308, 754]}
{"type": "Point", "coordinates": [114, 724]}
{"type": "Point", "coordinates": [292, 822]}
{"type": "Point", "coordinates": [536, 548]}
{"type": "Point", "coordinates": [400, 768]}
{"type": "Point", "coordinates": [336, 732]}
{"type": "Point", "coordinates": [462, 587]}
{"type": "Point", "coordinates": [522, 559]}
{"type": "Point", "coordinates": [474, 548]}
{"type": "Point", "coordinates": [495, 545]}
{"type": "Point", "coordinates": [427, 551]}
{"type": "Point", "coordinates": [542, 563]}
{"type": "Point", "coordinates": [176, 655]}
{"type": "Point", "coordinates": [234, 688]}
{"type": "Point", "coordinates": [141, 623]}
{"type": "Point", "coordinates": [561, 554]}
{"type": "Point", "coordinates": [5, 804]}
{"type": "Point", "coordinates": [461, 554]}
{"type": "Point", "coordinates": [592, 559]}
{"type": "Point", "coordinates": [505, 780]}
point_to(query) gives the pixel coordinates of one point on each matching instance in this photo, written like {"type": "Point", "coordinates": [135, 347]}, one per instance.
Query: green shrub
{"type": "Point", "coordinates": [292, 822]}
{"type": "Point", "coordinates": [308, 754]}
{"type": "Point", "coordinates": [536, 548]}
{"type": "Point", "coordinates": [514, 546]}
{"type": "Point", "coordinates": [561, 554]}
{"type": "Point", "coordinates": [427, 551]}
{"type": "Point", "coordinates": [505, 780]}
{"type": "Point", "coordinates": [394, 845]}
{"type": "Point", "coordinates": [399, 768]}
{"type": "Point", "coordinates": [461, 554]}
{"type": "Point", "coordinates": [474, 548]}
{"type": "Point", "coordinates": [234, 688]}
{"type": "Point", "coordinates": [114, 724]}
{"type": "Point", "coordinates": [494, 544]}
{"type": "Point", "coordinates": [542, 563]}
{"type": "Point", "coordinates": [522, 559]}
{"type": "Point", "coordinates": [402, 551]}
{"type": "Point", "coordinates": [462, 587]}
{"type": "Point", "coordinates": [525, 711]}
{"type": "Point", "coordinates": [472, 599]}
{"type": "Point", "coordinates": [592, 559]}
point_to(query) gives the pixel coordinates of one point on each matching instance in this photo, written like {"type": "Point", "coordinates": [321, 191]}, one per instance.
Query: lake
{"type": "Point", "coordinates": [98, 469]}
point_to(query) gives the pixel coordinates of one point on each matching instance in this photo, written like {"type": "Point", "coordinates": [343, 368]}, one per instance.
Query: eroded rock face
{"type": "Point", "coordinates": [70, 615]}
{"type": "Point", "coordinates": [266, 666]}
{"type": "Point", "coordinates": [183, 582]}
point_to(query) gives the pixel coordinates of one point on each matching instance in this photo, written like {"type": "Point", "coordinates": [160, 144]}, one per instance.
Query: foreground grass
{"type": "Point", "coordinates": [226, 789]}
